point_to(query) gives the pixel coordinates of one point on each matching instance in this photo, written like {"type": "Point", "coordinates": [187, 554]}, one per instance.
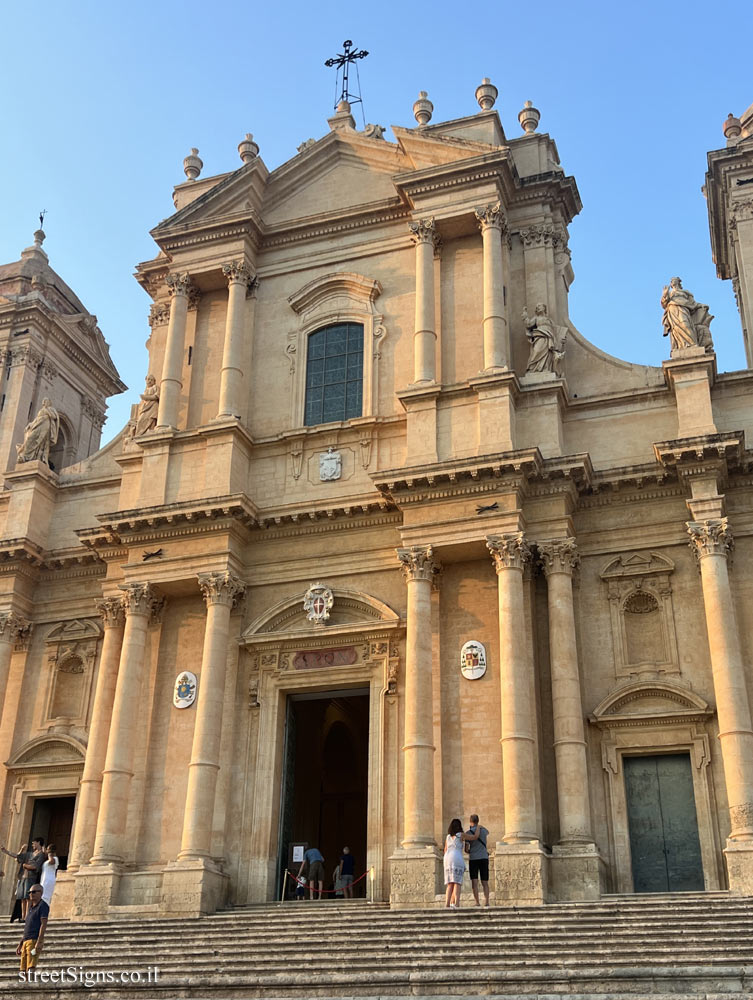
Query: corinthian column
{"type": "Point", "coordinates": [238, 278]}
{"type": "Point", "coordinates": [560, 559]}
{"type": "Point", "coordinates": [419, 569]}
{"type": "Point", "coordinates": [711, 541]}
{"type": "Point", "coordinates": [11, 626]}
{"type": "Point", "coordinates": [510, 554]}
{"type": "Point", "coordinates": [87, 807]}
{"type": "Point", "coordinates": [171, 382]}
{"type": "Point", "coordinates": [109, 842]}
{"type": "Point", "coordinates": [424, 235]}
{"type": "Point", "coordinates": [221, 591]}
{"type": "Point", "coordinates": [492, 223]}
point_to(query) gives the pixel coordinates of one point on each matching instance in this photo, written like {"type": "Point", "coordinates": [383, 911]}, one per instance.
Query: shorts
{"type": "Point", "coordinates": [315, 872]}
{"type": "Point", "coordinates": [346, 880]}
{"type": "Point", "coordinates": [479, 868]}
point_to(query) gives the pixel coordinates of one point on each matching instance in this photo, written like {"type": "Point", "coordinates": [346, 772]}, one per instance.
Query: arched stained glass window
{"type": "Point", "coordinates": [334, 374]}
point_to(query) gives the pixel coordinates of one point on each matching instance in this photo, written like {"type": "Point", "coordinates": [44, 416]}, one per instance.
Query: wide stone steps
{"type": "Point", "coordinates": [685, 946]}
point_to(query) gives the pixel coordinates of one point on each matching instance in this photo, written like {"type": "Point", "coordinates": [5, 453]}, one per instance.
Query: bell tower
{"type": "Point", "coordinates": [729, 192]}
{"type": "Point", "coordinates": [50, 348]}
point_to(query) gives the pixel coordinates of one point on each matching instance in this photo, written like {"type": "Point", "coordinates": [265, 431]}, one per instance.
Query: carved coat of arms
{"type": "Point", "coordinates": [184, 694]}
{"type": "Point", "coordinates": [330, 465]}
{"type": "Point", "coordinates": [317, 602]}
{"type": "Point", "coordinates": [473, 660]}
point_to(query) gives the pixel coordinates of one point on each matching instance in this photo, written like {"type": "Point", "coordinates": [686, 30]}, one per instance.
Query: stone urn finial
{"type": "Point", "coordinates": [192, 164]}
{"type": "Point", "coordinates": [486, 94]}
{"type": "Point", "coordinates": [423, 108]}
{"type": "Point", "coordinates": [529, 118]}
{"type": "Point", "coordinates": [732, 127]}
{"type": "Point", "coordinates": [248, 149]}
{"type": "Point", "coordinates": [39, 237]}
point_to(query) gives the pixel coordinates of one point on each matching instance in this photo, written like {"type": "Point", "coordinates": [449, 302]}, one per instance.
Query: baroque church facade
{"type": "Point", "coordinates": [386, 541]}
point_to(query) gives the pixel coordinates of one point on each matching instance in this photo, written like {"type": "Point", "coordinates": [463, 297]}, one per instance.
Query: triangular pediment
{"type": "Point", "coordinates": [432, 149]}
{"type": "Point", "coordinates": [236, 195]}
{"type": "Point", "coordinates": [342, 171]}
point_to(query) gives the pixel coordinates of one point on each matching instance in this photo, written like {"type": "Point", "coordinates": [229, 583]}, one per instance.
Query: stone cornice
{"type": "Point", "coordinates": [495, 167]}
{"type": "Point", "coordinates": [107, 380]}
{"type": "Point", "coordinates": [467, 476]}
{"type": "Point", "coordinates": [727, 448]}
{"type": "Point", "coordinates": [724, 164]}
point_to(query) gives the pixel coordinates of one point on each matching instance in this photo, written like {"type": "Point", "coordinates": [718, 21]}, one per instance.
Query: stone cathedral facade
{"type": "Point", "coordinates": [386, 541]}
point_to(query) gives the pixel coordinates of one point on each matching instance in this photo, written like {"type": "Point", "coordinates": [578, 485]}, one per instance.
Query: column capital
{"type": "Point", "coordinates": [424, 231]}
{"type": "Point", "coordinates": [491, 217]}
{"type": "Point", "coordinates": [710, 538]}
{"type": "Point", "coordinates": [418, 563]}
{"type": "Point", "coordinates": [138, 599]}
{"type": "Point", "coordinates": [508, 551]}
{"type": "Point", "coordinates": [238, 270]}
{"type": "Point", "coordinates": [559, 555]}
{"type": "Point", "coordinates": [13, 626]}
{"type": "Point", "coordinates": [178, 283]}
{"type": "Point", "coordinates": [221, 588]}
{"type": "Point", "coordinates": [112, 610]}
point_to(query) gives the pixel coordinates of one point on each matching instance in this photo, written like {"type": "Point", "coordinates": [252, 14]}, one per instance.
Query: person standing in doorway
{"type": "Point", "coordinates": [313, 862]}
{"type": "Point", "coordinates": [478, 858]}
{"type": "Point", "coordinates": [33, 870]}
{"type": "Point", "coordinates": [49, 874]}
{"type": "Point", "coordinates": [29, 947]}
{"type": "Point", "coordinates": [347, 870]}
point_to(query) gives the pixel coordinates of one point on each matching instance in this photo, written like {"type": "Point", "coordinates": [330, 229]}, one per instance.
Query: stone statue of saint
{"type": "Point", "coordinates": [685, 321]}
{"type": "Point", "coordinates": [547, 341]}
{"type": "Point", "coordinates": [146, 416]}
{"type": "Point", "coordinates": [39, 435]}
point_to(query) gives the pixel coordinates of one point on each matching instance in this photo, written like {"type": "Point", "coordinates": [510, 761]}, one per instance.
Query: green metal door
{"type": "Point", "coordinates": [664, 844]}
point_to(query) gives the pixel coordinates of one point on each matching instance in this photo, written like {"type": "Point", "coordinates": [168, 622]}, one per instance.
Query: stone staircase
{"type": "Point", "coordinates": [680, 946]}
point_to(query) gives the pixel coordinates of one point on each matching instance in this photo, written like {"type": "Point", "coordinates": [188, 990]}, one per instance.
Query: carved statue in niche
{"type": "Point", "coordinates": [39, 435]}
{"type": "Point", "coordinates": [146, 417]}
{"type": "Point", "coordinates": [547, 341]}
{"type": "Point", "coordinates": [685, 321]}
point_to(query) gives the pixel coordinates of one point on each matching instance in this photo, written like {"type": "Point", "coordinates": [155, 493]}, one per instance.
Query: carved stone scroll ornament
{"type": "Point", "coordinates": [39, 435]}
{"type": "Point", "coordinates": [138, 599]}
{"type": "Point", "coordinates": [112, 610]}
{"type": "Point", "coordinates": [710, 538]}
{"type": "Point", "coordinates": [509, 551]}
{"type": "Point", "coordinates": [491, 217]}
{"type": "Point", "coordinates": [685, 321]}
{"type": "Point", "coordinates": [221, 588]}
{"type": "Point", "coordinates": [424, 231]}
{"type": "Point", "coordinates": [418, 563]}
{"type": "Point", "coordinates": [159, 314]}
{"type": "Point", "coordinates": [238, 270]}
{"type": "Point", "coordinates": [13, 627]}
{"type": "Point", "coordinates": [559, 555]}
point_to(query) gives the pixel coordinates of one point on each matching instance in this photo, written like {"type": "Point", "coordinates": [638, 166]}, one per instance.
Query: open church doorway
{"type": "Point", "coordinates": [52, 819]}
{"type": "Point", "coordinates": [325, 778]}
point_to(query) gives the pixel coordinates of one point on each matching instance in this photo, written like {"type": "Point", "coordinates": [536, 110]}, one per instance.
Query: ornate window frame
{"type": "Point", "coordinates": [67, 641]}
{"type": "Point", "coordinates": [646, 718]}
{"type": "Point", "coordinates": [633, 573]}
{"type": "Point", "coordinates": [341, 297]}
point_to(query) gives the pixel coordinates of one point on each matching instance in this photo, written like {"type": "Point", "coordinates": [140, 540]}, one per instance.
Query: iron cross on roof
{"type": "Point", "coordinates": [342, 61]}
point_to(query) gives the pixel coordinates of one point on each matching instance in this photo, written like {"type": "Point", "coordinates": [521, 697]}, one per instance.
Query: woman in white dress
{"type": "Point", "coordinates": [49, 873]}
{"type": "Point", "coordinates": [454, 863]}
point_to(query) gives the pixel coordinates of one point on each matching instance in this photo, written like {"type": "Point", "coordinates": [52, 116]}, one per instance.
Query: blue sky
{"type": "Point", "coordinates": [102, 101]}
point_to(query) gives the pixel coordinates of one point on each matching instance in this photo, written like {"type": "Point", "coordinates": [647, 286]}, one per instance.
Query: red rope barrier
{"type": "Point", "coordinates": [307, 885]}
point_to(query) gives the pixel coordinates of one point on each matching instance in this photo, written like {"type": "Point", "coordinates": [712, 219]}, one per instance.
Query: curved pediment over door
{"type": "Point", "coordinates": [56, 753]}
{"type": "Point", "coordinates": [343, 633]}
